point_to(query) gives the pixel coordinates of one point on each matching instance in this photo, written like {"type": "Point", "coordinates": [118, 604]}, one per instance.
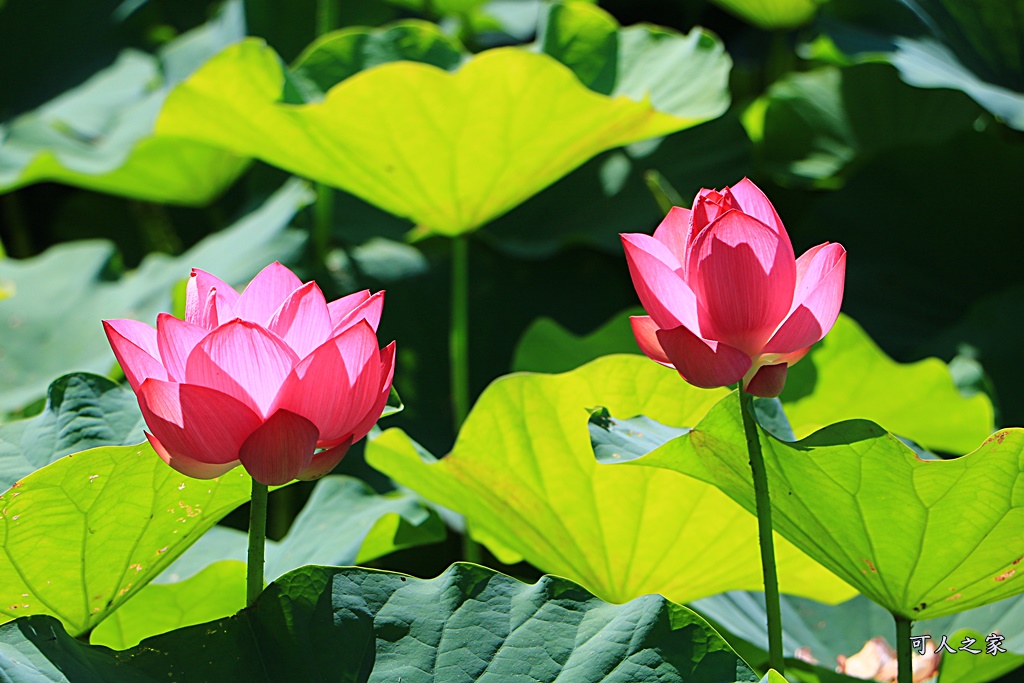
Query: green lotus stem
{"type": "Point", "coordinates": [764, 532]}
{"type": "Point", "coordinates": [458, 337]}
{"type": "Point", "coordinates": [904, 658]}
{"type": "Point", "coordinates": [323, 216]}
{"type": "Point", "coordinates": [326, 16]}
{"type": "Point", "coordinates": [20, 243]}
{"type": "Point", "coordinates": [458, 358]}
{"type": "Point", "coordinates": [257, 543]}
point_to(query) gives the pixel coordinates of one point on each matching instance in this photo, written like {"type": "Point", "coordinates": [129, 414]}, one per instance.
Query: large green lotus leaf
{"type": "Point", "coordinates": [53, 320]}
{"type": "Point", "coordinates": [773, 14]}
{"type": "Point", "coordinates": [824, 632]}
{"type": "Point", "coordinates": [922, 538]}
{"type": "Point", "coordinates": [818, 125]}
{"type": "Point", "coordinates": [844, 376]}
{"type": "Point", "coordinates": [100, 136]}
{"type": "Point", "coordinates": [335, 56]}
{"type": "Point", "coordinates": [352, 624]}
{"type": "Point", "coordinates": [448, 151]}
{"type": "Point", "coordinates": [523, 474]}
{"type": "Point", "coordinates": [972, 46]}
{"type": "Point", "coordinates": [83, 534]}
{"type": "Point", "coordinates": [82, 411]}
{"type": "Point", "coordinates": [217, 591]}
{"type": "Point", "coordinates": [344, 522]}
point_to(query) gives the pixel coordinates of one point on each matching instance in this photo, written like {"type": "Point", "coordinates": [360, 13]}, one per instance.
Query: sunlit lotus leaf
{"type": "Point", "coordinates": [449, 151]}
{"type": "Point", "coordinates": [85, 533]}
{"type": "Point", "coordinates": [773, 14]}
{"type": "Point", "coordinates": [922, 538]}
{"type": "Point", "coordinates": [217, 591]}
{"type": "Point", "coordinates": [845, 376]}
{"type": "Point", "coordinates": [523, 474]}
{"type": "Point", "coordinates": [353, 624]}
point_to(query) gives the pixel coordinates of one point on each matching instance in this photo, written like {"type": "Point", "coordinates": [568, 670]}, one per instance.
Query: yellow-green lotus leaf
{"type": "Point", "coordinates": [449, 151]}
{"type": "Point", "coordinates": [524, 475]}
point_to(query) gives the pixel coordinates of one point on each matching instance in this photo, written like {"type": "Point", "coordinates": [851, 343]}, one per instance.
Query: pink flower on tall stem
{"type": "Point", "coordinates": [727, 300]}
{"type": "Point", "coordinates": [263, 378]}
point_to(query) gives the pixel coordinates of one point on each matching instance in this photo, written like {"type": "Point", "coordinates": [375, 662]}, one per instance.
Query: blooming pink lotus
{"type": "Point", "coordinates": [726, 297]}
{"type": "Point", "coordinates": [263, 378]}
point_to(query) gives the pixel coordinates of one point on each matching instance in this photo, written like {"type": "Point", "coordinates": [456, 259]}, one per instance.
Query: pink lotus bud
{"type": "Point", "coordinates": [263, 378]}
{"type": "Point", "coordinates": [727, 300]}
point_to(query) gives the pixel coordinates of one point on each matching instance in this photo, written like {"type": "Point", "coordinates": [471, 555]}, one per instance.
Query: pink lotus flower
{"type": "Point", "coordinates": [726, 297]}
{"type": "Point", "coordinates": [261, 378]}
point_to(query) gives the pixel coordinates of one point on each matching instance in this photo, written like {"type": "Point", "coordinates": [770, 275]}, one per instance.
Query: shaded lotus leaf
{"type": "Point", "coordinates": [99, 135]}
{"type": "Point", "coordinates": [86, 533]}
{"type": "Point", "coordinates": [818, 125]}
{"type": "Point", "coordinates": [974, 47]}
{"type": "Point", "coordinates": [335, 56]}
{"type": "Point", "coordinates": [52, 323]}
{"type": "Point", "coordinates": [773, 14]}
{"type": "Point", "coordinates": [82, 411]}
{"type": "Point", "coordinates": [449, 151]}
{"type": "Point", "coordinates": [215, 592]}
{"type": "Point", "coordinates": [844, 376]}
{"type": "Point", "coordinates": [546, 346]}
{"type": "Point", "coordinates": [642, 62]}
{"type": "Point", "coordinates": [523, 474]}
{"type": "Point", "coordinates": [469, 624]}
{"type": "Point", "coordinates": [344, 522]}
{"type": "Point", "coordinates": [922, 538]}
{"type": "Point", "coordinates": [824, 632]}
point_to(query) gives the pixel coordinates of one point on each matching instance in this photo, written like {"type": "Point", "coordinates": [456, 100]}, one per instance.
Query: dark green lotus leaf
{"type": "Point", "coordinates": [52, 320]}
{"type": "Point", "coordinates": [353, 624]}
{"type": "Point", "coordinates": [819, 125]}
{"type": "Point", "coordinates": [972, 46]}
{"type": "Point", "coordinates": [922, 538]}
{"type": "Point", "coordinates": [641, 62]}
{"type": "Point", "coordinates": [87, 532]}
{"type": "Point", "coordinates": [99, 135]}
{"type": "Point", "coordinates": [82, 411]}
